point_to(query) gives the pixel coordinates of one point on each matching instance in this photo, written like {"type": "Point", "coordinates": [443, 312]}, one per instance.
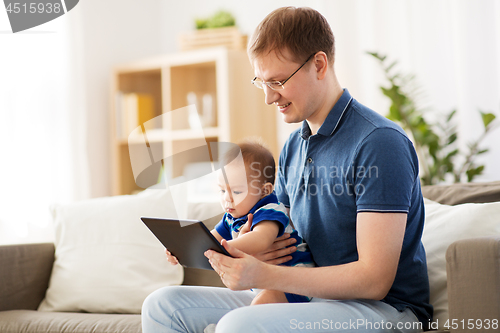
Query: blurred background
{"type": "Point", "coordinates": [55, 83]}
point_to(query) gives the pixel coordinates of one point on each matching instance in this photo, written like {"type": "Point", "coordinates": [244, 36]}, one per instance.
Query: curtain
{"type": "Point", "coordinates": [42, 138]}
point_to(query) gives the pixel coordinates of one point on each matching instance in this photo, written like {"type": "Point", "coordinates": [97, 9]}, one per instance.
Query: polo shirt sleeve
{"type": "Point", "coordinates": [280, 183]}
{"type": "Point", "coordinates": [272, 212]}
{"type": "Point", "coordinates": [223, 228]}
{"type": "Point", "coordinates": [385, 171]}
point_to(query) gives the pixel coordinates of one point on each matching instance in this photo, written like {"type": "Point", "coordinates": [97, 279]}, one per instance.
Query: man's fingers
{"type": "Point", "coordinates": [279, 260]}
{"type": "Point", "coordinates": [214, 262]}
{"type": "Point", "coordinates": [276, 257]}
{"type": "Point", "coordinates": [232, 250]}
{"type": "Point", "coordinates": [280, 244]}
{"type": "Point", "coordinates": [281, 253]}
{"type": "Point", "coordinates": [282, 237]}
{"type": "Point", "coordinates": [221, 262]}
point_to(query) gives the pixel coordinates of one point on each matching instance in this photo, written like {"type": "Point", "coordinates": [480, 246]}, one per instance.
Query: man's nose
{"type": "Point", "coordinates": [271, 95]}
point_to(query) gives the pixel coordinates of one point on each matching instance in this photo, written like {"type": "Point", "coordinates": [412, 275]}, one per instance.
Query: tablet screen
{"type": "Point", "coordinates": [185, 239]}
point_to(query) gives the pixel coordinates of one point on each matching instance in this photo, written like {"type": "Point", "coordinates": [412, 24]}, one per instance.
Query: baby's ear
{"type": "Point", "coordinates": [267, 189]}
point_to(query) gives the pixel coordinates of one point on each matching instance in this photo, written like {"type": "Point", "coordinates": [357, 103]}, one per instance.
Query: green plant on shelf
{"type": "Point", "coordinates": [218, 20]}
{"type": "Point", "coordinates": [435, 142]}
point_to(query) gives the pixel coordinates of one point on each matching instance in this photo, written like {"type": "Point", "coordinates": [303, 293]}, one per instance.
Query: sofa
{"type": "Point", "coordinates": [464, 270]}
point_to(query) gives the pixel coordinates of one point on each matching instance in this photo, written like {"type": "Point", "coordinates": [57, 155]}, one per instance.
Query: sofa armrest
{"type": "Point", "coordinates": [473, 270]}
{"type": "Point", "coordinates": [25, 273]}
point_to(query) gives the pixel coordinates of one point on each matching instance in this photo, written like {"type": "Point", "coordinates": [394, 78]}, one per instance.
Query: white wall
{"type": "Point", "coordinates": [111, 32]}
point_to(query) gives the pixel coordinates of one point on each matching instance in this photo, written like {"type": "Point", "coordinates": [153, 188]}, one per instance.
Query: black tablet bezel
{"type": "Point", "coordinates": [186, 239]}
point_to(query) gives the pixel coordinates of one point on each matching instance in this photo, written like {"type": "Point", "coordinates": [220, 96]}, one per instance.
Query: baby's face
{"type": "Point", "coordinates": [238, 193]}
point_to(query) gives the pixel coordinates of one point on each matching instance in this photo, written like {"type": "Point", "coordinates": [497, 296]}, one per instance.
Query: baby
{"type": "Point", "coordinates": [246, 184]}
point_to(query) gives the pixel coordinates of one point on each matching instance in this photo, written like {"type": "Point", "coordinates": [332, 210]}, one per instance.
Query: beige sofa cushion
{"type": "Point", "coordinates": [473, 268]}
{"type": "Point", "coordinates": [56, 322]}
{"type": "Point", "coordinates": [444, 225]}
{"type": "Point", "coordinates": [24, 275]}
{"type": "Point", "coordinates": [463, 193]}
{"type": "Point", "coordinates": [106, 259]}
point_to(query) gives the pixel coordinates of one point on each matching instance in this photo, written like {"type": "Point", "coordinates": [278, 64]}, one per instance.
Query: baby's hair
{"type": "Point", "coordinates": [257, 157]}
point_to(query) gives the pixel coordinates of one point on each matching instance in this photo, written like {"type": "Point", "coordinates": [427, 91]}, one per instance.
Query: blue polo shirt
{"type": "Point", "coordinates": [359, 161]}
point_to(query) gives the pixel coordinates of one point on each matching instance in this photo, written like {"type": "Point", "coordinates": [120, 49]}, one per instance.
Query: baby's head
{"type": "Point", "coordinates": [247, 176]}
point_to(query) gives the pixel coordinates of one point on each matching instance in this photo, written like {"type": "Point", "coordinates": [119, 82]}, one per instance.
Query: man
{"type": "Point", "coordinates": [350, 180]}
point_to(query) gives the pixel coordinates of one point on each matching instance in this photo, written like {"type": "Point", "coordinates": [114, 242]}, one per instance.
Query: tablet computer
{"type": "Point", "coordinates": [185, 239]}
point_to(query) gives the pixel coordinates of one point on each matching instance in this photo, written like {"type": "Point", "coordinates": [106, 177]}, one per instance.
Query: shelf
{"type": "Point", "coordinates": [230, 109]}
{"type": "Point", "coordinates": [190, 134]}
{"type": "Point", "coordinates": [160, 135]}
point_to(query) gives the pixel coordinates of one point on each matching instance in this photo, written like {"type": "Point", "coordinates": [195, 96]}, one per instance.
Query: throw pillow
{"type": "Point", "coordinates": [444, 225]}
{"type": "Point", "coordinates": [106, 260]}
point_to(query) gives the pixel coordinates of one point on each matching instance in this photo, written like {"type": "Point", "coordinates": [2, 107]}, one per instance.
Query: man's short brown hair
{"type": "Point", "coordinates": [302, 31]}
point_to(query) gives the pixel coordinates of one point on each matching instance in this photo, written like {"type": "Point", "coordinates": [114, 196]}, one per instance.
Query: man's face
{"type": "Point", "coordinates": [238, 195]}
{"type": "Point", "coordinates": [298, 100]}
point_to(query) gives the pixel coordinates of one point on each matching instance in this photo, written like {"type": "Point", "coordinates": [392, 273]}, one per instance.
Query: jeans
{"type": "Point", "coordinates": [191, 309]}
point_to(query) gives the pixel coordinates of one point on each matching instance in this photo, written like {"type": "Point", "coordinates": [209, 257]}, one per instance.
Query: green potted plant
{"type": "Point", "coordinates": [219, 20]}
{"type": "Point", "coordinates": [217, 30]}
{"type": "Point", "coordinates": [435, 142]}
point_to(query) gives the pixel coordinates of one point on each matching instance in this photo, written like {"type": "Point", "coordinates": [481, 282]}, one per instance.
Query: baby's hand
{"type": "Point", "coordinates": [170, 258]}
{"type": "Point", "coordinates": [247, 227]}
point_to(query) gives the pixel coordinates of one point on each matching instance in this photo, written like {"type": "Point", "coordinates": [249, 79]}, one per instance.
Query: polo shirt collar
{"type": "Point", "coordinates": [332, 120]}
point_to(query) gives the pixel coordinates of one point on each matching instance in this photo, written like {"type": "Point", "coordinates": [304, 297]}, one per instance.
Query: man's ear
{"type": "Point", "coordinates": [267, 189]}
{"type": "Point", "coordinates": [320, 62]}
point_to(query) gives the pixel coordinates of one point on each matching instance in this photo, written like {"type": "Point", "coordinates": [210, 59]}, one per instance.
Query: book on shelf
{"type": "Point", "coordinates": [133, 110]}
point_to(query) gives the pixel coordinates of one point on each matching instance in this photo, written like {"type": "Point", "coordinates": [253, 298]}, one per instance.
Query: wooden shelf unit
{"type": "Point", "coordinates": [238, 107]}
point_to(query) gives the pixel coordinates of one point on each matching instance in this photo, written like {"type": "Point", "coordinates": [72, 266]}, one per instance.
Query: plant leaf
{"type": "Point", "coordinates": [452, 138]}
{"type": "Point", "coordinates": [452, 153]}
{"type": "Point", "coordinates": [450, 116]}
{"type": "Point", "coordinates": [376, 55]}
{"type": "Point", "coordinates": [472, 172]}
{"type": "Point", "coordinates": [388, 68]}
{"type": "Point", "coordinates": [487, 118]}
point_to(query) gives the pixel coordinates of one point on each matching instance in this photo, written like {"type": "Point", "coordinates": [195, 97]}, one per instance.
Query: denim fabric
{"type": "Point", "coordinates": [192, 309]}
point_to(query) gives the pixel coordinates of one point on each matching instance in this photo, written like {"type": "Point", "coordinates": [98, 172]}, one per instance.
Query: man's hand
{"type": "Point", "coordinates": [241, 272]}
{"type": "Point", "coordinates": [278, 252]}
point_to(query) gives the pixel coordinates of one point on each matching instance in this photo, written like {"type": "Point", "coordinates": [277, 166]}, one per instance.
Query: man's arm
{"type": "Point", "coordinates": [379, 242]}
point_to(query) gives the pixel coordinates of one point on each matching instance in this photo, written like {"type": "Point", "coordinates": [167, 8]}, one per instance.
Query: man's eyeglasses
{"type": "Point", "coordinates": [277, 85]}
